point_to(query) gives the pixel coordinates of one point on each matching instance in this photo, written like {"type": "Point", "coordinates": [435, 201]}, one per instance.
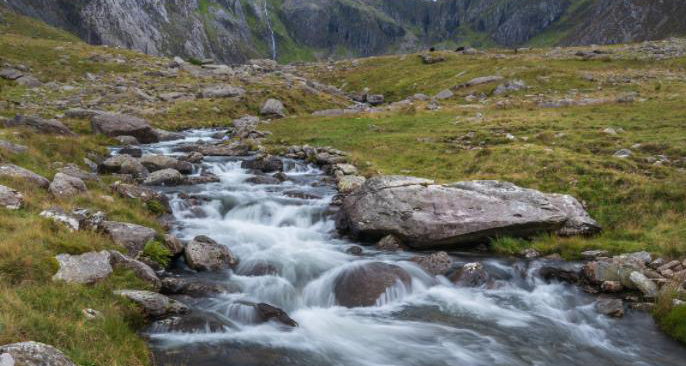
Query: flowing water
{"type": "Point", "coordinates": [521, 321]}
{"type": "Point", "coordinates": [271, 31]}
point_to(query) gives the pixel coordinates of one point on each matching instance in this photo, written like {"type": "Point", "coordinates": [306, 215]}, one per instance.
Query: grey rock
{"type": "Point", "coordinates": [164, 177]}
{"type": "Point", "coordinates": [426, 215]}
{"type": "Point", "coordinates": [163, 135]}
{"type": "Point", "coordinates": [64, 186]}
{"type": "Point", "coordinates": [205, 254]}
{"type": "Point", "coordinates": [10, 199]}
{"type": "Point", "coordinates": [644, 284]}
{"type": "Point", "coordinates": [9, 73]}
{"type": "Point", "coordinates": [34, 354]}
{"type": "Point", "coordinates": [593, 254]}
{"type": "Point", "coordinates": [123, 164]}
{"type": "Point", "coordinates": [623, 153]}
{"type": "Point", "coordinates": [480, 81]}
{"type": "Point", "coordinates": [428, 59]}
{"type": "Point", "coordinates": [610, 307]}
{"type": "Point", "coordinates": [132, 237]}
{"type": "Point", "coordinates": [349, 183]}
{"type": "Point", "coordinates": [154, 305]}
{"type": "Point", "coordinates": [273, 108]}
{"type": "Point", "coordinates": [578, 222]}
{"type": "Point", "coordinates": [174, 245]}
{"type": "Point", "coordinates": [58, 215]}
{"type": "Point", "coordinates": [611, 286]}
{"type": "Point", "coordinates": [112, 125]}
{"type": "Point", "coordinates": [139, 269]}
{"type": "Point", "coordinates": [12, 147]}
{"type": "Point", "coordinates": [140, 193]}
{"type": "Point", "coordinates": [375, 99]}
{"type": "Point", "coordinates": [444, 94]}
{"type": "Point", "coordinates": [195, 287]}
{"type": "Point", "coordinates": [436, 264]}
{"type": "Point", "coordinates": [87, 268]}
{"type": "Point", "coordinates": [509, 87]}
{"type": "Point", "coordinates": [265, 164]}
{"type": "Point", "coordinates": [222, 91]}
{"type": "Point", "coordinates": [529, 253]}
{"type": "Point", "coordinates": [390, 243]}
{"type": "Point", "coordinates": [193, 157]}
{"type": "Point", "coordinates": [471, 275]}
{"type": "Point", "coordinates": [11, 170]}
{"type": "Point", "coordinates": [41, 125]}
{"type": "Point", "coordinates": [363, 285]}
{"type": "Point", "coordinates": [159, 162]}
{"type": "Point", "coordinates": [82, 113]}
{"type": "Point", "coordinates": [29, 81]}
{"type": "Point", "coordinates": [76, 172]}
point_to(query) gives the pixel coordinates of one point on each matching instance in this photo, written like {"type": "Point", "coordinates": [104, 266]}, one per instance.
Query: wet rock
{"type": "Point", "coordinates": [273, 108]}
{"type": "Point", "coordinates": [139, 269]}
{"type": "Point", "coordinates": [350, 183]}
{"type": "Point", "coordinates": [612, 286]}
{"type": "Point", "coordinates": [390, 243]}
{"type": "Point", "coordinates": [529, 253]}
{"type": "Point", "coordinates": [10, 199]}
{"type": "Point", "coordinates": [355, 250]}
{"type": "Point", "coordinates": [195, 287]}
{"type": "Point", "coordinates": [163, 135]}
{"type": "Point", "coordinates": [174, 245]}
{"type": "Point", "coordinates": [123, 164]}
{"type": "Point", "coordinates": [201, 179]}
{"type": "Point", "coordinates": [164, 177]}
{"type": "Point", "coordinates": [426, 215]}
{"type": "Point", "coordinates": [13, 171]}
{"type": "Point", "coordinates": [559, 274]}
{"type": "Point", "coordinates": [594, 254]}
{"type": "Point", "coordinates": [262, 179]}
{"type": "Point", "coordinates": [364, 284]}
{"type": "Point", "coordinates": [131, 151]}
{"type": "Point", "coordinates": [33, 354]}
{"type": "Point", "coordinates": [644, 284]}
{"type": "Point", "coordinates": [87, 268]}
{"type": "Point", "coordinates": [436, 264]}
{"type": "Point", "coordinates": [12, 147]}
{"type": "Point", "coordinates": [46, 126]}
{"type": "Point", "coordinates": [267, 312]}
{"type": "Point", "coordinates": [195, 322]}
{"type": "Point", "coordinates": [159, 162]}
{"type": "Point", "coordinates": [205, 254]}
{"type": "Point", "coordinates": [221, 91]}
{"type": "Point", "coordinates": [153, 304]}
{"type": "Point", "coordinates": [471, 275]}
{"type": "Point", "coordinates": [112, 125]}
{"type": "Point", "coordinates": [610, 307]}
{"type": "Point", "coordinates": [266, 164]}
{"type": "Point", "coordinates": [126, 141]}
{"type": "Point", "coordinates": [130, 236]}
{"type": "Point", "coordinates": [64, 186]}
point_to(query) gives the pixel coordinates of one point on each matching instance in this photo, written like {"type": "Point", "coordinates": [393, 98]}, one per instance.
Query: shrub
{"type": "Point", "coordinates": [157, 252]}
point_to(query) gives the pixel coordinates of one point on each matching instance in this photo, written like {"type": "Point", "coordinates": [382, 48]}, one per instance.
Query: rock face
{"type": "Point", "coordinates": [130, 236]}
{"type": "Point", "coordinates": [10, 198]}
{"type": "Point", "coordinates": [426, 215]}
{"type": "Point", "coordinates": [47, 126]}
{"type": "Point", "coordinates": [365, 284]}
{"type": "Point", "coordinates": [11, 170]}
{"type": "Point", "coordinates": [34, 354]}
{"type": "Point", "coordinates": [154, 305]}
{"type": "Point", "coordinates": [205, 254]}
{"type": "Point", "coordinates": [112, 125]}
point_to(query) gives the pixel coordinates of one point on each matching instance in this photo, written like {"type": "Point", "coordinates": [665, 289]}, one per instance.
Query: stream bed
{"type": "Point", "coordinates": [290, 254]}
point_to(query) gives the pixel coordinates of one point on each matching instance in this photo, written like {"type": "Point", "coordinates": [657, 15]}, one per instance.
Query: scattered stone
{"type": "Point", "coordinates": [390, 243]}
{"type": "Point", "coordinates": [510, 87]}
{"type": "Point", "coordinates": [130, 236]}
{"type": "Point", "coordinates": [479, 81]}
{"type": "Point", "coordinates": [611, 286]}
{"type": "Point", "coordinates": [123, 164]}
{"type": "Point", "coordinates": [112, 125]}
{"type": "Point", "coordinates": [87, 268]}
{"type": "Point", "coordinates": [91, 314]}
{"type": "Point", "coordinates": [154, 305]}
{"type": "Point", "coordinates": [436, 264]}
{"type": "Point", "coordinates": [11, 170]}
{"type": "Point", "coordinates": [594, 254]}
{"type": "Point", "coordinates": [46, 126]}
{"type": "Point", "coordinates": [273, 108]}
{"type": "Point", "coordinates": [12, 147]}
{"type": "Point", "coordinates": [59, 216]}
{"type": "Point", "coordinates": [644, 284]}
{"type": "Point", "coordinates": [33, 354]}
{"type": "Point", "coordinates": [445, 94]}
{"type": "Point", "coordinates": [428, 59]}
{"type": "Point", "coordinates": [365, 284]}
{"type": "Point", "coordinates": [266, 164]}
{"type": "Point", "coordinates": [205, 254]}
{"type": "Point", "coordinates": [222, 91]}
{"type": "Point", "coordinates": [471, 275]}
{"type": "Point", "coordinates": [10, 199]}
{"type": "Point", "coordinates": [610, 307]}
{"type": "Point", "coordinates": [375, 99]}
{"type": "Point", "coordinates": [9, 73]}
{"type": "Point", "coordinates": [529, 253]}
{"type": "Point", "coordinates": [623, 153]}
{"type": "Point", "coordinates": [64, 186]}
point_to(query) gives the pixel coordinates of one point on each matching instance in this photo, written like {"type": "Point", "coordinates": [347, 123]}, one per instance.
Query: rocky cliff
{"type": "Point", "coordinates": [289, 30]}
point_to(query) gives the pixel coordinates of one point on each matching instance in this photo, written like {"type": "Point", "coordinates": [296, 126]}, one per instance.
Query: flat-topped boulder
{"type": "Point", "coordinates": [424, 215]}
{"type": "Point", "coordinates": [154, 305]}
{"type": "Point", "coordinates": [41, 125]}
{"type": "Point", "coordinates": [92, 267]}
{"type": "Point", "coordinates": [113, 124]}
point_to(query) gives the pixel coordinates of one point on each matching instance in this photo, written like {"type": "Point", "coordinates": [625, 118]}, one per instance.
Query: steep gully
{"type": "Point", "coordinates": [290, 255]}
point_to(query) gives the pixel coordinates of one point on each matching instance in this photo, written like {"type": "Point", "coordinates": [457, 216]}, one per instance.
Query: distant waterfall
{"type": "Point", "coordinates": [271, 31]}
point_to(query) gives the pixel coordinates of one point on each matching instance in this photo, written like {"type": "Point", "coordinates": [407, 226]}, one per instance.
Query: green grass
{"type": "Point", "coordinates": [674, 324]}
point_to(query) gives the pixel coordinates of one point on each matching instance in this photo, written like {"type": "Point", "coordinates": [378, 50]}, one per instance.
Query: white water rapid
{"type": "Point", "coordinates": [285, 238]}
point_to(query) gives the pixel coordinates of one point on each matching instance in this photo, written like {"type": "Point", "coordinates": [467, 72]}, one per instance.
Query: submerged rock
{"type": "Point", "coordinates": [365, 284]}
{"type": "Point", "coordinates": [435, 264]}
{"type": "Point", "coordinates": [610, 307]}
{"type": "Point", "coordinates": [471, 275]}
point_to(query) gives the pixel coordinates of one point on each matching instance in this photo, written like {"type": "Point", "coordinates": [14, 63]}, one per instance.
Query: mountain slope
{"type": "Point", "coordinates": [290, 30]}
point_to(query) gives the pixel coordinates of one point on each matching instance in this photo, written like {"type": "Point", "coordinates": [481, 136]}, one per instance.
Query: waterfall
{"type": "Point", "coordinates": [271, 31]}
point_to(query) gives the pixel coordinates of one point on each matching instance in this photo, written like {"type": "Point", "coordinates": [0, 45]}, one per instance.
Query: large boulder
{"type": "Point", "coordinates": [86, 268]}
{"type": "Point", "coordinates": [273, 108]}
{"type": "Point", "coordinates": [268, 312]}
{"type": "Point", "coordinates": [205, 254]}
{"type": "Point", "coordinates": [197, 287]}
{"type": "Point", "coordinates": [265, 164]}
{"type": "Point", "coordinates": [123, 164]}
{"type": "Point", "coordinates": [13, 171]}
{"type": "Point", "coordinates": [32, 354]}
{"type": "Point", "coordinates": [159, 162]}
{"type": "Point", "coordinates": [164, 177]}
{"type": "Point", "coordinates": [427, 215]}
{"type": "Point", "coordinates": [130, 236]}
{"type": "Point", "coordinates": [10, 198]}
{"type": "Point", "coordinates": [64, 186]}
{"type": "Point", "coordinates": [112, 125]}
{"type": "Point", "coordinates": [221, 91]}
{"type": "Point", "coordinates": [154, 305]}
{"type": "Point", "coordinates": [47, 126]}
{"type": "Point", "coordinates": [364, 284]}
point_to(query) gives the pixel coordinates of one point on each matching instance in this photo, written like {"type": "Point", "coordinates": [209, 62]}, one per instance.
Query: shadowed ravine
{"type": "Point", "coordinates": [290, 255]}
